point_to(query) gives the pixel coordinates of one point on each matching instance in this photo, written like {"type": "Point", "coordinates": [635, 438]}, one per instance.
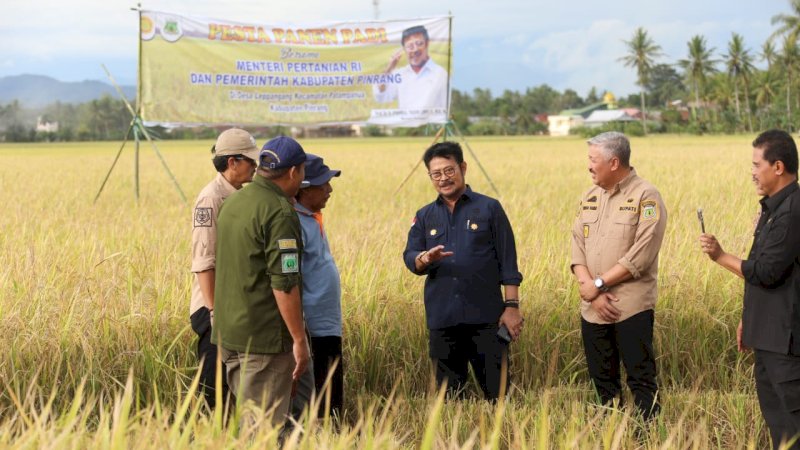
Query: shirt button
{"type": "Point", "coordinates": [457, 295]}
{"type": "Point", "coordinates": [455, 278]}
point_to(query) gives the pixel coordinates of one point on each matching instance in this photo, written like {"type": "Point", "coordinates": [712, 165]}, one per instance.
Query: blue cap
{"type": "Point", "coordinates": [281, 152]}
{"type": "Point", "coordinates": [317, 173]}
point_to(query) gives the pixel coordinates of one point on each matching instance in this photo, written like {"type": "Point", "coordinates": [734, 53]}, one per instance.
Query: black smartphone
{"type": "Point", "coordinates": [503, 334]}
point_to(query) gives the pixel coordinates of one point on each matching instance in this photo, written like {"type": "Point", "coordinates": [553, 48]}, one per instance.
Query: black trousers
{"type": "Point", "coordinates": [325, 351]}
{"type": "Point", "coordinates": [778, 387]}
{"type": "Point", "coordinates": [453, 348]}
{"type": "Point", "coordinates": [631, 341]}
{"type": "Point", "coordinates": [207, 353]}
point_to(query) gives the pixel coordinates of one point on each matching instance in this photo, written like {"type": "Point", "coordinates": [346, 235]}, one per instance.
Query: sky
{"type": "Point", "coordinates": [497, 44]}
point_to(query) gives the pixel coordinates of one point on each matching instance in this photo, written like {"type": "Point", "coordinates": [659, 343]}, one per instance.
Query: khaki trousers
{"type": "Point", "coordinates": [263, 378]}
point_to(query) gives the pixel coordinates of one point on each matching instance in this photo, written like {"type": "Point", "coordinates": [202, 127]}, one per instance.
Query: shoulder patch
{"type": "Point", "coordinates": [287, 244]}
{"type": "Point", "coordinates": [202, 217]}
{"type": "Point", "coordinates": [649, 210]}
{"type": "Point", "coordinates": [290, 263]}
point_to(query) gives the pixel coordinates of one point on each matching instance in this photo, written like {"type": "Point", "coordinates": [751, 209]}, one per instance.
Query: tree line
{"type": "Point", "coordinates": [706, 91]}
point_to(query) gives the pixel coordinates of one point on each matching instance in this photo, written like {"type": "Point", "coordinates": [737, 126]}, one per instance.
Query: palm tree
{"type": "Point", "coordinates": [789, 58]}
{"type": "Point", "coordinates": [768, 54]}
{"type": "Point", "coordinates": [641, 54]}
{"type": "Point", "coordinates": [788, 24]}
{"type": "Point", "coordinates": [766, 89]}
{"type": "Point", "coordinates": [739, 63]}
{"type": "Point", "coordinates": [698, 66]}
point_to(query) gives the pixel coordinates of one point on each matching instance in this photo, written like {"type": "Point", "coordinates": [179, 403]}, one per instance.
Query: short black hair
{"type": "Point", "coordinates": [778, 145]}
{"type": "Point", "coordinates": [220, 162]}
{"type": "Point", "coordinates": [446, 149]}
{"type": "Point", "coordinates": [418, 29]}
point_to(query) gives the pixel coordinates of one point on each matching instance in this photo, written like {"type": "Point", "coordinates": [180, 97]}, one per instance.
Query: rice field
{"type": "Point", "coordinates": [94, 301]}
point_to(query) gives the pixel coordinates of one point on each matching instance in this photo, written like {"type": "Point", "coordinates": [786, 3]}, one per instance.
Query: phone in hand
{"type": "Point", "coordinates": [700, 218]}
{"type": "Point", "coordinates": [503, 334]}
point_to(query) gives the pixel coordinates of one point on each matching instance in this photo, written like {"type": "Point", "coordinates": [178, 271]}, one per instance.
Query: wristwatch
{"type": "Point", "coordinates": [600, 284]}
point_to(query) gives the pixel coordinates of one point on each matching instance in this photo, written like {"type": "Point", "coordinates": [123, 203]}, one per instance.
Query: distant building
{"type": "Point", "coordinates": [43, 126]}
{"type": "Point", "coordinates": [561, 124]}
{"type": "Point", "coordinates": [600, 118]}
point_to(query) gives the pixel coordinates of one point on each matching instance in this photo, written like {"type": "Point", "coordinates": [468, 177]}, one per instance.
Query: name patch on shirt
{"type": "Point", "coordinates": [290, 263]}
{"type": "Point", "coordinates": [632, 209]}
{"type": "Point", "coordinates": [649, 210]}
{"type": "Point", "coordinates": [287, 244]}
{"type": "Point", "coordinates": [202, 217]}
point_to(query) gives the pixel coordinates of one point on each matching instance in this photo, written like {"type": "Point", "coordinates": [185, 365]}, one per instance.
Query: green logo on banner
{"type": "Point", "coordinates": [289, 263]}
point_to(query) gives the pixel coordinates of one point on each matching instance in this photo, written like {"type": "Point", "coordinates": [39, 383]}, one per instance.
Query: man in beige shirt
{"type": "Point", "coordinates": [615, 242]}
{"type": "Point", "coordinates": [235, 156]}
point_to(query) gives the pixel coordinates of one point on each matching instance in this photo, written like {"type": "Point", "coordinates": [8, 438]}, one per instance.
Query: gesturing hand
{"type": "Point", "coordinates": [435, 254]}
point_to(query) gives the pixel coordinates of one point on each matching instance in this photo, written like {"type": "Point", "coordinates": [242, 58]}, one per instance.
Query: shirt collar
{"type": "Point", "coordinates": [226, 188]}
{"type": "Point", "coordinates": [467, 195]}
{"type": "Point", "coordinates": [302, 209]}
{"type": "Point", "coordinates": [772, 203]}
{"type": "Point", "coordinates": [623, 183]}
{"type": "Point", "coordinates": [259, 180]}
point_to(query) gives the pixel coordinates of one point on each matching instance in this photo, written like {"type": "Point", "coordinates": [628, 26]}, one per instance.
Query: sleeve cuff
{"type": "Point", "coordinates": [285, 283]}
{"type": "Point", "coordinates": [628, 265]}
{"type": "Point", "coordinates": [748, 269]}
{"type": "Point", "coordinates": [204, 263]}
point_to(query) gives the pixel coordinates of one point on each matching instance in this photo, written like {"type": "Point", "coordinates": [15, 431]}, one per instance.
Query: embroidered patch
{"type": "Point", "coordinates": [649, 210]}
{"type": "Point", "coordinates": [287, 244]}
{"type": "Point", "coordinates": [630, 200]}
{"type": "Point", "coordinates": [631, 209]}
{"type": "Point", "coordinates": [289, 263]}
{"type": "Point", "coordinates": [473, 226]}
{"type": "Point", "coordinates": [202, 217]}
{"type": "Point", "coordinates": [586, 231]}
{"type": "Point", "coordinates": [592, 199]}
{"type": "Point", "coordinates": [433, 232]}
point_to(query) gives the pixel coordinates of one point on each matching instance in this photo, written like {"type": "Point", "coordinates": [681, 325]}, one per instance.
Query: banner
{"type": "Point", "coordinates": [207, 71]}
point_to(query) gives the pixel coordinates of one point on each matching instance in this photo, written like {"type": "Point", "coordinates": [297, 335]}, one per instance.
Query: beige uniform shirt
{"type": "Point", "coordinates": [204, 232]}
{"type": "Point", "coordinates": [623, 225]}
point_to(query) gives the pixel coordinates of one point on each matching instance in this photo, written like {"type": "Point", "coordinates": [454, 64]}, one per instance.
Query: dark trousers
{"type": "Point", "coordinates": [327, 351]}
{"type": "Point", "coordinates": [632, 341]}
{"type": "Point", "coordinates": [207, 353]}
{"type": "Point", "coordinates": [778, 387]}
{"type": "Point", "coordinates": [453, 348]}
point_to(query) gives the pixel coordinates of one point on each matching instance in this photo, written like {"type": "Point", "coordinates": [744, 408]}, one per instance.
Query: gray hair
{"type": "Point", "coordinates": [613, 143]}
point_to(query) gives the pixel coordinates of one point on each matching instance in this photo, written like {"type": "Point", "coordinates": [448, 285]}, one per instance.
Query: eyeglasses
{"type": "Point", "coordinates": [413, 45]}
{"type": "Point", "coordinates": [447, 172]}
{"type": "Point", "coordinates": [244, 158]}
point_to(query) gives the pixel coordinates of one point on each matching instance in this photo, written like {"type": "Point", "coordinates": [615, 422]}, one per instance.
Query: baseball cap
{"type": "Point", "coordinates": [236, 141]}
{"type": "Point", "coordinates": [317, 173]}
{"type": "Point", "coordinates": [281, 152]}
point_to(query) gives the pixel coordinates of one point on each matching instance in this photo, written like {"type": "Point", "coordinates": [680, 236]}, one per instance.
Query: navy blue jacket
{"type": "Point", "coordinates": [464, 288]}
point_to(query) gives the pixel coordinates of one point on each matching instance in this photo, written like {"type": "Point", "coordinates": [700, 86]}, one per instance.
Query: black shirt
{"type": "Point", "coordinates": [464, 288]}
{"type": "Point", "coordinates": [771, 315]}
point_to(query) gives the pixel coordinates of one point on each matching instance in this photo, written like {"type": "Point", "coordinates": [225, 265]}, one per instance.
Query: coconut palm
{"type": "Point", "coordinates": [788, 24]}
{"type": "Point", "coordinates": [768, 53]}
{"type": "Point", "coordinates": [698, 66]}
{"type": "Point", "coordinates": [739, 64]}
{"type": "Point", "coordinates": [642, 52]}
{"type": "Point", "coordinates": [789, 59]}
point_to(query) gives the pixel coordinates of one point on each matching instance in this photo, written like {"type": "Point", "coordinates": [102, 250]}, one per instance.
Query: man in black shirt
{"type": "Point", "coordinates": [464, 244]}
{"type": "Point", "coordinates": [770, 322]}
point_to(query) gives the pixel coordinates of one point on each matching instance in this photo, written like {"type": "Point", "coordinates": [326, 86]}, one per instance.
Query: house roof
{"type": "Point", "coordinates": [612, 115]}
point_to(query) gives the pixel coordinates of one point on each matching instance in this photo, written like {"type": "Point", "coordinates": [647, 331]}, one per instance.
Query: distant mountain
{"type": "Point", "coordinates": [35, 91]}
